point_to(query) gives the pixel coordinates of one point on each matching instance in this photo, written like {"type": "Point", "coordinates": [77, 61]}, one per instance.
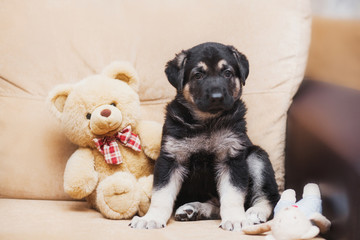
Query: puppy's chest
{"type": "Point", "coordinates": [218, 145]}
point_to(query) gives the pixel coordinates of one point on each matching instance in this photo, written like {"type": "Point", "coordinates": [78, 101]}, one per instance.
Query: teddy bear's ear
{"type": "Point", "coordinates": [123, 71]}
{"type": "Point", "coordinates": [57, 98]}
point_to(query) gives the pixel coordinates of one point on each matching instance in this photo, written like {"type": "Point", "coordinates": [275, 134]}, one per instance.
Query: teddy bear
{"type": "Point", "coordinates": [113, 165]}
{"type": "Point", "coordinates": [295, 220]}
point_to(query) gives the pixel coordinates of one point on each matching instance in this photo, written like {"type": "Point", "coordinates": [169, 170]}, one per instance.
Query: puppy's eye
{"type": "Point", "coordinates": [88, 116]}
{"type": "Point", "coordinates": [113, 104]}
{"type": "Point", "coordinates": [198, 76]}
{"type": "Point", "coordinates": [228, 74]}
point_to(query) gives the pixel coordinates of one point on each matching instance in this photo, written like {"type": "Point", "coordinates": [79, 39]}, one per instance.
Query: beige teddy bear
{"type": "Point", "coordinates": [112, 168]}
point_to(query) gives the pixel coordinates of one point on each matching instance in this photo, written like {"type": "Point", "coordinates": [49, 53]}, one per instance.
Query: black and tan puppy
{"type": "Point", "coordinates": [208, 167]}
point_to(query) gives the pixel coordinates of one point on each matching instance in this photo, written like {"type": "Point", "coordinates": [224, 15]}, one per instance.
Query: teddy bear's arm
{"type": "Point", "coordinates": [150, 133]}
{"type": "Point", "coordinates": [321, 221]}
{"type": "Point", "coordinates": [80, 177]}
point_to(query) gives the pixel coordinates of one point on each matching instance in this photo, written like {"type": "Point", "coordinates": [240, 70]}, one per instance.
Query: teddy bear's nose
{"type": "Point", "coordinates": [105, 113]}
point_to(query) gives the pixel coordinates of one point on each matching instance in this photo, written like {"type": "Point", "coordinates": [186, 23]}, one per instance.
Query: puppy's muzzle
{"type": "Point", "coordinates": [216, 99]}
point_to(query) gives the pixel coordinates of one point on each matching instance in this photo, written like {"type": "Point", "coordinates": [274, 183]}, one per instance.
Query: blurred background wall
{"type": "Point", "coordinates": [335, 45]}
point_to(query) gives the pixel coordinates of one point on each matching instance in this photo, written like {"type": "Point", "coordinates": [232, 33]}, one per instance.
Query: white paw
{"type": "Point", "coordinates": [146, 223]}
{"type": "Point", "coordinates": [186, 213]}
{"type": "Point", "coordinates": [233, 225]}
{"type": "Point", "coordinates": [256, 215]}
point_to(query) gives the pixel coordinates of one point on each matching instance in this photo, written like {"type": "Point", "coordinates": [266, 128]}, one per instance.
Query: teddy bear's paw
{"type": "Point", "coordinates": [152, 153]}
{"type": "Point", "coordinates": [126, 196]}
{"type": "Point", "coordinates": [117, 196]}
{"type": "Point", "coordinates": [82, 187]}
{"type": "Point", "coordinates": [147, 223]}
{"type": "Point", "coordinates": [150, 135]}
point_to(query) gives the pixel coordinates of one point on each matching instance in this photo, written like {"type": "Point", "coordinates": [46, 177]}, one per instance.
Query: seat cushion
{"type": "Point", "coordinates": [43, 219]}
{"type": "Point", "coordinates": [48, 42]}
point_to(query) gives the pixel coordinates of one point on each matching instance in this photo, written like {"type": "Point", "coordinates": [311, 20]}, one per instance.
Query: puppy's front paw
{"type": "Point", "coordinates": [146, 223]}
{"type": "Point", "coordinates": [256, 215]}
{"type": "Point", "coordinates": [233, 224]}
{"type": "Point", "coordinates": [186, 213]}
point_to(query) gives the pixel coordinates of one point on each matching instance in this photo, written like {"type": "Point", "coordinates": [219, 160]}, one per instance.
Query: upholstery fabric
{"type": "Point", "coordinates": [74, 220]}
{"type": "Point", "coordinates": [47, 42]}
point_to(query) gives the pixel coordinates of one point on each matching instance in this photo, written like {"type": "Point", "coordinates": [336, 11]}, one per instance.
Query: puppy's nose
{"type": "Point", "coordinates": [105, 113]}
{"type": "Point", "coordinates": [216, 97]}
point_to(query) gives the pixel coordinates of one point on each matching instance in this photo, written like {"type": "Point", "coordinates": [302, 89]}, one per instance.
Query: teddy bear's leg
{"type": "Point", "coordinates": [118, 196]}
{"type": "Point", "coordinates": [311, 201]}
{"type": "Point", "coordinates": [288, 195]}
{"type": "Point", "coordinates": [145, 186]}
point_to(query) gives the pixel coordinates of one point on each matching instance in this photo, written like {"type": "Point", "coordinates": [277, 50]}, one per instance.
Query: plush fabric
{"type": "Point", "coordinates": [116, 179]}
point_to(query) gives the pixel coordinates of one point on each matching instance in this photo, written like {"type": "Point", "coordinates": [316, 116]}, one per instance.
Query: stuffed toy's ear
{"type": "Point", "coordinates": [57, 98]}
{"type": "Point", "coordinates": [242, 63]}
{"type": "Point", "coordinates": [123, 71]}
{"type": "Point", "coordinates": [257, 228]}
{"type": "Point", "coordinates": [174, 70]}
{"type": "Point", "coordinates": [321, 221]}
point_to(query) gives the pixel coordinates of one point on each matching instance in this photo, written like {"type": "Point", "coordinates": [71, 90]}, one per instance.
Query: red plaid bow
{"type": "Point", "coordinates": [109, 147]}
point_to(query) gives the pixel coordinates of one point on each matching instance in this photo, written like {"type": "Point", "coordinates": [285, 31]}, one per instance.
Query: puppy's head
{"type": "Point", "coordinates": [209, 75]}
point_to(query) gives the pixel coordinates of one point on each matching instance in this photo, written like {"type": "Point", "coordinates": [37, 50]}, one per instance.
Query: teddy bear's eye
{"type": "Point", "coordinates": [88, 116]}
{"type": "Point", "coordinates": [113, 104]}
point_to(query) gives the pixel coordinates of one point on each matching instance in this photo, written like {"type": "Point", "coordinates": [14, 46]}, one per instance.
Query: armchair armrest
{"type": "Point", "coordinates": [323, 146]}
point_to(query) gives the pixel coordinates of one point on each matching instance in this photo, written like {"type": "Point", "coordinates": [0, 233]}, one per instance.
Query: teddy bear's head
{"type": "Point", "coordinates": [99, 105]}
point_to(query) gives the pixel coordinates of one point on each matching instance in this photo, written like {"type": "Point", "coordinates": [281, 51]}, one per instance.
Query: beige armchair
{"type": "Point", "coordinates": [47, 42]}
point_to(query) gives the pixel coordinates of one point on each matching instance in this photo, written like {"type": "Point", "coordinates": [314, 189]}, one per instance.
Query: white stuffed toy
{"type": "Point", "coordinates": [295, 220]}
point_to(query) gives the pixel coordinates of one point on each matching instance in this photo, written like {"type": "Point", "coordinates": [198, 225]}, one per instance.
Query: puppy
{"type": "Point", "coordinates": [208, 168]}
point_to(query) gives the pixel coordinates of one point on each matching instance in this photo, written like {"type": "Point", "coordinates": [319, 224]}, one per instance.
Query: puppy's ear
{"type": "Point", "coordinates": [175, 70]}
{"type": "Point", "coordinates": [242, 62]}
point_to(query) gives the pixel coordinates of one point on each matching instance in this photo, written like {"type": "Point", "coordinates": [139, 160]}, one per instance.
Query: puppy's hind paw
{"type": "Point", "coordinates": [186, 213]}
